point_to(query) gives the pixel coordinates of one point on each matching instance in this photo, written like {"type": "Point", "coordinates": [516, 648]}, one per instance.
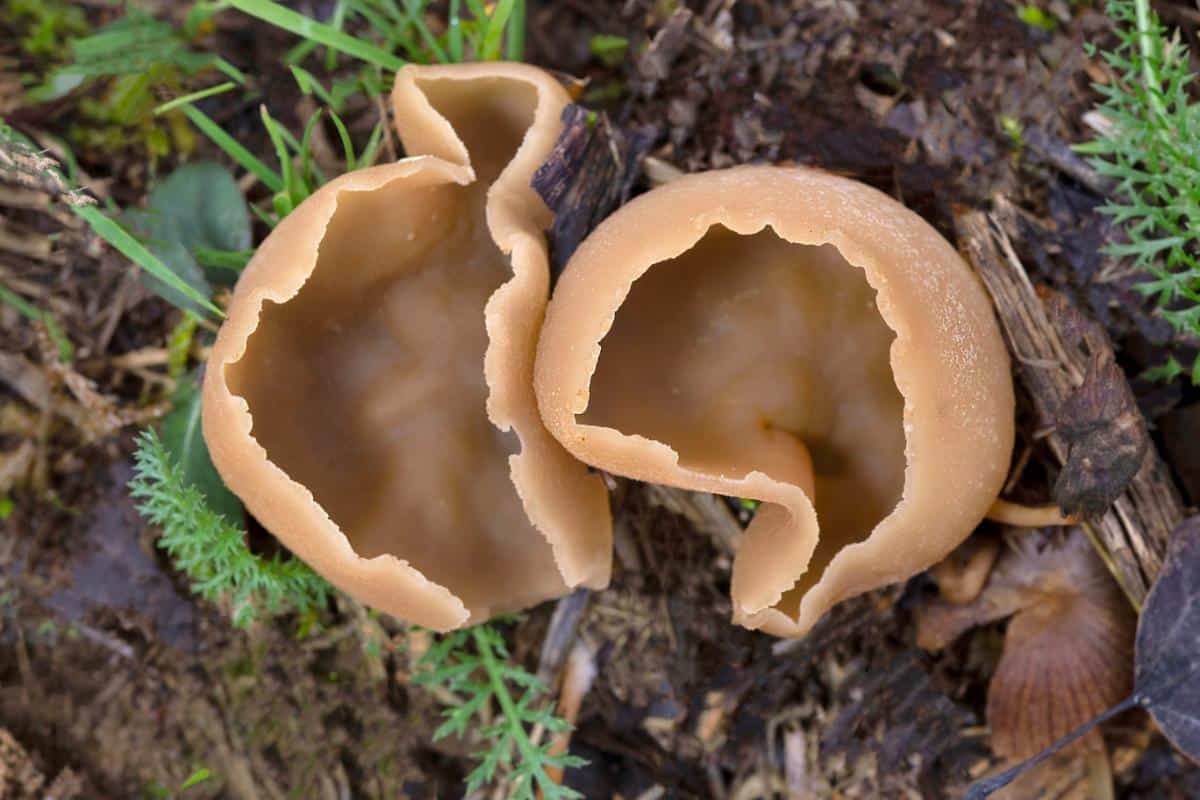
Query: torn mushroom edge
{"type": "Point", "coordinates": [766, 197]}
{"type": "Point", "coordinates": [514, 313]}
{"type": "Point", "coordinates": [287, 508]}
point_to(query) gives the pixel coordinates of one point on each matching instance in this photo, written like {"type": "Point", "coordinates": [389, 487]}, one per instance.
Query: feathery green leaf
{"type": "Point", "coordinates": [1151, 150]}
{"type": "Point", "coordinates": [211, 549]}
{"type": "Point", "coordinates": [473, 665]}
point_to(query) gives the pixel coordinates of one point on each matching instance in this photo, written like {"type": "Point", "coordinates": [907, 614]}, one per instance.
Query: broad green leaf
{"type": "Point", "coordinates": [204, 206]}
{"type": "Point", "coordinates": [184, 441]}
{"type": "Point", "coordinates": [159, 235]}
{"type": "Point", "coordinates": [129, 246]}
{"type": "Point", "coordinates": [229, 260]}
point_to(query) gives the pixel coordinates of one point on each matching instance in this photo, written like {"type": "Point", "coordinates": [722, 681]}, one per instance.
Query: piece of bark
{"type": "Point", "coordinates": [1066, 368]}
{"type": "Point", "coordinates": [590, 172]}
{"type": "Point", "coordinates": [1099, 421]}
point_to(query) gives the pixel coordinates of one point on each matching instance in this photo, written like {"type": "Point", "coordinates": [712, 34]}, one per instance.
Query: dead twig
{"type": "Point", "coordinates": [1073, 382]}
{"type": "Point", "coordinates": [561, 635]}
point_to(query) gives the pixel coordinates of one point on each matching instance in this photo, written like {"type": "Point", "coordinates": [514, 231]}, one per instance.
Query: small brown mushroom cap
{"type": "Point", "coordinates": [1068, 649]}
{"type": "Point", "coordinates": [378, 346]}
{"type": "Point", "coordinates": [790, 336]}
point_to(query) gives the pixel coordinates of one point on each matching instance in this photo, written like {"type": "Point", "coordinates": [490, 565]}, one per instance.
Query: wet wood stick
{"type": "Point", "coordinates": [590, 172]}
{"type": "Point", "coordinates": [1111, 470]}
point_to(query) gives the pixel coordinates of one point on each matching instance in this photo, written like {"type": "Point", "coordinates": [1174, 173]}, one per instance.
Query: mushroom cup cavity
{"type": "Point", "coordinates": [792, 337]}
{"type": "Point", "coordinates": [370, 395]}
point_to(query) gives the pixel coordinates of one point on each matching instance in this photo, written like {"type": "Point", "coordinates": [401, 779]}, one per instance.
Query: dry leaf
{"type": "Point", "coordinates": [1066, 660]}
{"type": "Point", "coordinates": [1168, 643]}
{"type": "Point", "coordinates": [1068, 649]}
{"type": "Point", "coordinates": [1166, 658]}
{"type": "Point", "coordinates": [1066, 776]}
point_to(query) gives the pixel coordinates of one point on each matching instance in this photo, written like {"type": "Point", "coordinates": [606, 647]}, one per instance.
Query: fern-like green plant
{"type": "Point", "coordinates": [210, 549]}
{"type": "Point", "coordinates": [474, 665]}
{"type": "Point", "coordinates": [1151, 150]}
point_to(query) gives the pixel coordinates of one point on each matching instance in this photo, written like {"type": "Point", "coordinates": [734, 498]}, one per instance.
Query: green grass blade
{"type": "Point", "coordinates": [23, 306]}
{"type": "Point", "coordinates": [301, 51]}
{"type": "Point", "coordinates": [309, 84]}
{"type": "Point", "coordinates": [233, 148]}
{"type": "Point", "coordinates": [264, 217]}
{"type": "Point", "coordinates": [277, 132]}
{"type": "Point", "coordinates": [370, 152]}
{"type": "Point", "coordinates": [454, 33]}
{"type": "Point", "coordinates": [478, 11]}
{"type": "Point", "coordinates": [66, 350]}
{"type": "Point", "coordinates": [310, 173]}
{"type": "Point", "coordinates": [478, 27]}
{"type": "Point", "coordinates": [212, 91]}
{"type": "Point", "coordinates": [288, 137]}
{"type": "Point", "coordinates": [494, 32]}
{"type": "Point", "coordinates": [414, 17]}
{"type": "Point", "coordinates": [515, 41]}
{"type": "Point", "coordinates": [347, 143]}
{"type": "Point", "coordinates": [337, 21]}
{"type": "Point", "coordinates": [124, 243]}
{"type": "Point", "coordinates": [197, 777]}
{"type": "Point", "coordinates": [308, 28]}
{"type": "Point", "coordinates": [389, 6]}
{"type": "Point", "coordinates": [234, 260]}
{"type": "Point", "coordinates": [230, 70]}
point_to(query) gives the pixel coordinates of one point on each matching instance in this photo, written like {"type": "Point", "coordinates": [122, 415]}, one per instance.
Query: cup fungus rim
{"type": "Point", "coordinates": [746, 216]}
{"type": "Point", "coordinates": [273, 496]}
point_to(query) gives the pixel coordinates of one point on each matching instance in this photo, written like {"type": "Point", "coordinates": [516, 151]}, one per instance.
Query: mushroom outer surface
{"type": "Point", "coordinates": [369, 397]}
{"type": "Point", "coordinates": [796, 338]}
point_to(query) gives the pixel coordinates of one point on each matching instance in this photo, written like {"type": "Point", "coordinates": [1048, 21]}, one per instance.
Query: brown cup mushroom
{"type": "Point", "coordinates": [379, 348]}
{"type": "Point", "coordinates": [797, 338]}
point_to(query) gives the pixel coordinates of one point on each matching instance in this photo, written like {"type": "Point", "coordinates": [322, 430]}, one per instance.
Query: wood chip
{"type": "Point", "coordinates": [589, 173]}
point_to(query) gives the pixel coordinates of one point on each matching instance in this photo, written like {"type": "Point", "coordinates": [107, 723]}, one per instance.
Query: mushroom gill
{"type": "Point", "coordinates": [378, 350]}
{"type": "Point", "coordinates": [789, 336]}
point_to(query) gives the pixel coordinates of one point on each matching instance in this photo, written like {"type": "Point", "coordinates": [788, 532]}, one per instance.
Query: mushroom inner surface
{"type": "Point", "coordinates": [368, 387]}
{"type": "Point", "coordinates": [744, 347]}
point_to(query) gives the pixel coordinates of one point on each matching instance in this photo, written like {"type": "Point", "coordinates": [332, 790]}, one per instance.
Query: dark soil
{"type": "Point", "coordinates": [111, 670]}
